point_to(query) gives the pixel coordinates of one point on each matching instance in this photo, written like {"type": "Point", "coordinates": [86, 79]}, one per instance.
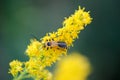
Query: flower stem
{"type": "Point", "coordinates": [21, 76]}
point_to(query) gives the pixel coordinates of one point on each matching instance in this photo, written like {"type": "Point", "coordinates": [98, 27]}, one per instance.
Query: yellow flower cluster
{"type": "Point", "coordinates": [71, 27]}
{"type": "Point", "coordinates": [45, 52]}
{"type": "Point", "coordinates": [66, 35]}
{"type": "Point", "coordinates": [16, 67]}
{"type": "Point", "coordinates": [36, 70]}
{"type": "Point", "coordinates": [33, 49]}
{"type": "Point", "coordinates": [73, 67]}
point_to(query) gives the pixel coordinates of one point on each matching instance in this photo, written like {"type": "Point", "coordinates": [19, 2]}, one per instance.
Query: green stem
{"type": "Point", "coordinates": [21, 76]}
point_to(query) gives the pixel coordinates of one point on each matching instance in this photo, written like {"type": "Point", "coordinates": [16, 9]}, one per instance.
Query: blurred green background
{"type": "Point", "coordinates": [100, 41]}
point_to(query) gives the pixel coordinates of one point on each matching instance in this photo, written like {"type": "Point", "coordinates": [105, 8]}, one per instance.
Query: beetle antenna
{"type": "Point", "coordinates": [35, 37]}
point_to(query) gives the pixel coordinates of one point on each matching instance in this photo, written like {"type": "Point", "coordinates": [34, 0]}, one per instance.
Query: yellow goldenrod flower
{"type": "Point", "coordinates": [73, 67]}
{"type": "Point", "coordinates": [56, 43]}
{"type": "Point", "coordinates": [33, 66]}
{"type": "Point", "coordinates": [45, 52]}
{"type": "Point", "coordinates": [34, 49]}
{"type": "Point", "coordinates": [36, 70]}
{"type": "Point", "coordinates": [71, 27]}
{"type": "Point", "coordinates": [15, 67]}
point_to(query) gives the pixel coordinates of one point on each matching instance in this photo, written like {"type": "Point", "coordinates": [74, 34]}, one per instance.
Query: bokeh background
{"type": "Point", "coordinates": [100, 41]}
